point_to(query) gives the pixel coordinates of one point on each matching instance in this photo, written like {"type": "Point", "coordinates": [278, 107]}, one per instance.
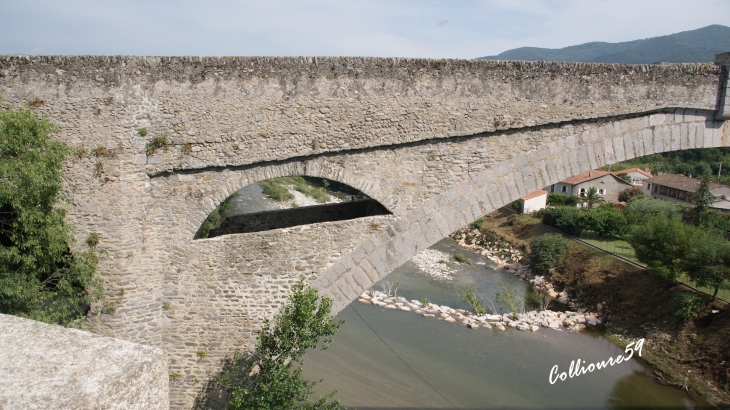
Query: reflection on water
{"type": "Point", "coordinates": [386, 359]}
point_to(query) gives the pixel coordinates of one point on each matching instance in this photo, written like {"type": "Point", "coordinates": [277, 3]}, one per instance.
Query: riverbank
{"type": "Point", "coordinates": [693, 354]}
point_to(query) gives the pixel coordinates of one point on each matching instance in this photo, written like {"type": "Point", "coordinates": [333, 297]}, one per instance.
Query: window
{"type": "Point", "coordinates": [671, 192]}
{"type": "Point", "coordinates": [565, 188]}
{"type": "Point", "coordinates": [663, 190]}
{"type": "Point", "coordinates": [649, 187]}
{"type": "Point", "coordinates": [601, 191]}
{"type": "Point", "coordinates": [682, 195]}
{"type": "Point", "coordinates": [582, 192]}
{"type": "Point", "coordinates": [552, 188]}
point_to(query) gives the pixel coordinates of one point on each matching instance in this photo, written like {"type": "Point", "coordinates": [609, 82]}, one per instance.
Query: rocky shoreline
{"type": "Point", "coordinates": [532, 320]}
{"type": "Point", "coordinates": [434, 263]}
{"type": "Point", "coordinates": [508, 258]}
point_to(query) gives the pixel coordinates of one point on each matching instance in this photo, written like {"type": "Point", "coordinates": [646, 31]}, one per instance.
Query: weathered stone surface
{"type": "Point", "coordinates": [51, 367]}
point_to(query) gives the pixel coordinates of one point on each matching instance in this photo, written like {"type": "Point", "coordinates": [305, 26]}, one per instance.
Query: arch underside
{"type": "Point", "coordinates": [583, 149]}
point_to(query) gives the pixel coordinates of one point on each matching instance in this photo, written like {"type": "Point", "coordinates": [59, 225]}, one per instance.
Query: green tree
{"type": "Point", "coordinates": [628, 193]}
{"type": "Point", "coordinates": [40, 278]}
{"type": "Point", "coordinates": [605, 220]}
{"type": "Point", "coordinates": [641, 208]}
{"type": "Point", "coordinates": [565, 218]}
{"type": "Point", "coordinates": [269, 379]}
{"type": "Point", "coordinates": [708, 265]}
{"type": "Point", "coordinates": [591, 197]}
{"type": "Point", "coordinates": [663, 243]}
{"type": "Point", "coordinates": [702, 198]}
{"type": "Point", "coordinates": [546, 250]}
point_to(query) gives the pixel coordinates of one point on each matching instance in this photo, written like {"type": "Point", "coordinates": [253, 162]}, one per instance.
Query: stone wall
{"type": "Point", "coordinates": [286, 218]}
{"type": "Point", "coordinates": [437, 142]}
{"type": "Point", "coordinates": [50, 367]}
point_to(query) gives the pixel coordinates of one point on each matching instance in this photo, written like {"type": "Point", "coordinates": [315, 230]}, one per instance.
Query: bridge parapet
{"type": "Point", "coordinates": [723, 103]}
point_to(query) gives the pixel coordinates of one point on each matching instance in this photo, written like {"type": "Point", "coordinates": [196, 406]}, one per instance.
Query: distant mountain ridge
{"type": "Point", "coordinates": [693, 46]}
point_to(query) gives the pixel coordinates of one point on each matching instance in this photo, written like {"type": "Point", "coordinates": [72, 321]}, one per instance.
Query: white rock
{"type": "Point", "coordinates": [429, 315]}
{"type": "Point", "coordinates": [450, 319]}
{"type": "Point", "coordinates": [405, 308]}
{"type": "Point", "coordinates": [390, 307]}
{"type": "Point", "coordinates": [534, 328]}
{"type": "Point", "coordinates": [365, 301]}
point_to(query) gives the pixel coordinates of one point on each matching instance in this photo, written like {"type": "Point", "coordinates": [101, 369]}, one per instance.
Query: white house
{"type": "Point", "coordinates": [533, 202]}
{"type": "Point", "coordinates": [607, 185]}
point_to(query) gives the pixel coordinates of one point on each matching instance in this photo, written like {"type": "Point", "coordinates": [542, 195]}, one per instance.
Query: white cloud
{"type": "Point", "coordinates": [407, 28]}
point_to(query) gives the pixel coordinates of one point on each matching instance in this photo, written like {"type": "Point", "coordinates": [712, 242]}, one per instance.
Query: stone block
{"type": "Point", "coordinates": [619, 149]}
{"type": "Point", "coordinates": [494, 198]}
{"type": "Point", "coordinates": [647, 136]}
{"type": "Point", "coordinates": [51, 367]}
{"type": "Point", "coordinates": [528, 177]}
{"type": "Point", "coordinates": [675, 139]}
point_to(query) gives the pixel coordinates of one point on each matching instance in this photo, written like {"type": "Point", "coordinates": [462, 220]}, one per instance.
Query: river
{"type": "Point", "coordinates": [389, 359]}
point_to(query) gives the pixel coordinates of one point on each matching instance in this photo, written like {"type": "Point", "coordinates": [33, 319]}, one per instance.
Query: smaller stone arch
{"type": "Point", "coordinates": [229, 181]}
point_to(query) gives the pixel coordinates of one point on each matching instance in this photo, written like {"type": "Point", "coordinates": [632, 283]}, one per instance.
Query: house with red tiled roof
{"type": "Point", "coordinates": [533, 202]}
{"type": "Point", "coordinates": [679, 189]}
{"type": "Point", "coordinates": [637, 175]}
{"type": "Point", "coordinates": [607, 184]}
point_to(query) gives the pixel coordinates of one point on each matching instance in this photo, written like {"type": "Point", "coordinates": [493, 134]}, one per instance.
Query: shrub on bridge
{"type": "Point", "coordinates": [40, 278]}
{"type": "Point", "coordinates": [271, 378]}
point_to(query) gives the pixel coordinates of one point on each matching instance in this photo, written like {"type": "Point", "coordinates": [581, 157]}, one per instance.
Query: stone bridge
{"type": "Point", "coordinates": [437, 142]}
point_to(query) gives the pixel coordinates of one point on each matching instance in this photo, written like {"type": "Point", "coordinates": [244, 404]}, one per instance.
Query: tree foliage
{"type": "Point", "coordinates": [591, 198]}
{"type": "Point", "coordinates": [560, 199]}
{"type": "Point", "coordinates": [607, 221]}
{"type": "Point", "coordinates": [663, 243]}
{"type": "Point", "coordinates": [708, 264]}
{"type": "Point", "coordinates": [628, 193]}
{"type": "Point", "coordinates": [565, 218]}
{"type": "Point", "coordinates": [40, 278]}
{"type": "Point", "coordinates": [702, 198]}
{"type": "Point", "coordinates": [546, 250]}
{"type": "Point", "coordinates": [269, 378]}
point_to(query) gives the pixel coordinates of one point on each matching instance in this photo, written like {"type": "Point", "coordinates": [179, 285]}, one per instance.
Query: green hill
{"type": "Point", "coordinates": [693, 46]}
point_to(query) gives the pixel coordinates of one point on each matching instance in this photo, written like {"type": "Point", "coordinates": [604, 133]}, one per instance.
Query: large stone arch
{"type": "Point", "coordinates": [604, 142]}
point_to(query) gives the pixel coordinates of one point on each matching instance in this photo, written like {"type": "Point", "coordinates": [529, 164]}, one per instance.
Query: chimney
{"type": "Point", "coordinates": [590, 173]}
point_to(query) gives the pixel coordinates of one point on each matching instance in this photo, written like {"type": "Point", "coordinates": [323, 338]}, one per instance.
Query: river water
{"type": "Point", "coordinates": [389, 359]}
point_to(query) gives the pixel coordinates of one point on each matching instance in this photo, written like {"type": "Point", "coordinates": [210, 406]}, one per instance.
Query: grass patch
{"type": "Point", "coordinates": [158, 141]}
{"type": "Point", "coordinates": [461, 258]}
{"type": "Point", "coordinates": [277, 188]}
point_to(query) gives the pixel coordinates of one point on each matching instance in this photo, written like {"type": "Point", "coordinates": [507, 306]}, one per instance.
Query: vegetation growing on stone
{"type": "Point", "coordinates": [215, 217]}
{"type": "Point", "coordinates": [40, 277]}
{"type": "Point", "coordinates": [158, 141]}
{"type": "Point", "coordinates": [471, 298]}
{"type": "Point", "coordinates": [271, 377]}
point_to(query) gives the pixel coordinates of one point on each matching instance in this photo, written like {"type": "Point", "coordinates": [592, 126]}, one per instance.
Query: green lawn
{"type": "Point", "coordinates": [616, 246]}
{"type": "Point", "coordinates": [622, 248]}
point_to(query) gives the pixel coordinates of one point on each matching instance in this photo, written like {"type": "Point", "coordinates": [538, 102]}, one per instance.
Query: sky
{"type": "Point", "coordinates": [378, 28]}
